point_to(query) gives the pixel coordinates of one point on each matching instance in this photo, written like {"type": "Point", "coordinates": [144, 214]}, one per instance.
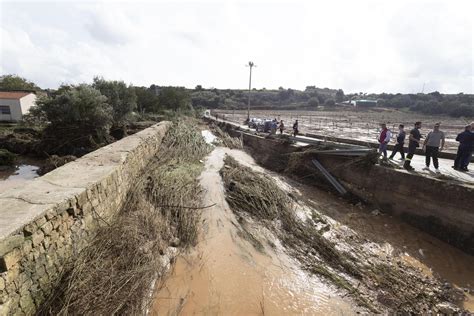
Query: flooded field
{"type": "Point", "coordinates": [25, 170]}
{"type": "Point", "coordinates": [241, 267]}
{"type": "Point", "coordinates": [356, 124]}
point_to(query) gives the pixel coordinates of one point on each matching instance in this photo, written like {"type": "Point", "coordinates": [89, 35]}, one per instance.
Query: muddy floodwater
{"type": "Point", "coordinates": [225, 274]}
{"type": "Point", "coordinates": [24, 171]}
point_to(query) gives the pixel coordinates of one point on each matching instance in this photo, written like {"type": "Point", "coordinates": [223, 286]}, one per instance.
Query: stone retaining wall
{"type": "Point", "coordinates": [439, 207]}
{"type": "Point", "coordinates": [46, 222]}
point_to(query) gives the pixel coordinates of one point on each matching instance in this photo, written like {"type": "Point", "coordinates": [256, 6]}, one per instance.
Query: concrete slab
{"type": "Point", "coordinates": [14, 213]}
{"type": "Point", "coordinates": [39, 191]}
{"type": "Point", "coordinates": [73, 175]}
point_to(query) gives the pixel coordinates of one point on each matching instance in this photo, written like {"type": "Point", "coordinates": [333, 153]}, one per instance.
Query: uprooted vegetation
{"type": "Point", "coordinates": [225, 139]}
{"type": "Point", "coordinates": [374, 283]}
{"type": "Point", "coordinates": [115, 272]}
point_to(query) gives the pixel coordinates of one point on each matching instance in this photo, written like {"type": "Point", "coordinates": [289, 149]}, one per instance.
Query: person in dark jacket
{"type": "Point", "coordinates": [295, 129]}
{"type": "Point", "coordinates": [400, 142]}
{"type": "Point", "coordinates": [466, 146]}
{"type": "Point", "coordinates": [414, 142]}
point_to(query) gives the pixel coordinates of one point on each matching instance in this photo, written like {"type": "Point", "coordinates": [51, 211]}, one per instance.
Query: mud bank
{"type": "Point", "coordinates": [418, 200]}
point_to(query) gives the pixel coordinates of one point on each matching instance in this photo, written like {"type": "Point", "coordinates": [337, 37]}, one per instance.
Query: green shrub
{"type": "Point", "coordinates": [6, 158]}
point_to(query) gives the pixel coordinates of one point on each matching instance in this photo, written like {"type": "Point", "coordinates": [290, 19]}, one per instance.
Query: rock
{"type": "Point", "coordinates": [171, 252]}
{"type": "Point", "coordinates": [375, 212]}
{"type": "Point", "coordinates": [164, 262]}
{"type": "Point", "coordinates": [447, 308]}
{"type": "Point", "coordinates": [10, 243]}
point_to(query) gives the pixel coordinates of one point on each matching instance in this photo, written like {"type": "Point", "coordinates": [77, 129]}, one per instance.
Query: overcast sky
{"type": "Point", "coordinates": [369, 46]}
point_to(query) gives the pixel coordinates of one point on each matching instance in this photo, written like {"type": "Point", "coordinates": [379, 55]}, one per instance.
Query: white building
{"type": "Point", "coordinates": [14, 104]}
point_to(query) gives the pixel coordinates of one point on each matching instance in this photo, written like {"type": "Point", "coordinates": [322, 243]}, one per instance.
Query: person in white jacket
{"type": "Point", "coordinates": [384, 139]}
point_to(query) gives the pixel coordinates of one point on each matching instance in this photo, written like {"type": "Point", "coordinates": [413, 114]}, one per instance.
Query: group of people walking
{"type": "Point", "coordinates": [281, 127]}
{"type": "Point", "coordinates": [432, 145]}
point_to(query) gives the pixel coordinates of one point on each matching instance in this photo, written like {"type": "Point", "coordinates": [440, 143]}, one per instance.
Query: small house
{"type": "Point", "coordinates": [15, 104]}
{"type": "Point", "coordinates": [365, 103]}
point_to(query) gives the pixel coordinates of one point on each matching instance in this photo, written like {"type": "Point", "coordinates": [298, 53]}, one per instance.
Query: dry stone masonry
{"type": "Point", "coordinates": [46, 222]}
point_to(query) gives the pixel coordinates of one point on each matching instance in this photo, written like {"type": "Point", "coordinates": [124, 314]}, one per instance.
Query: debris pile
{"type": "Point", "coordinates": [226, 139]}
{"type": "Point", "coordinates": [54, 162]}
{"type": "Point", "coordinates": [374, 283]}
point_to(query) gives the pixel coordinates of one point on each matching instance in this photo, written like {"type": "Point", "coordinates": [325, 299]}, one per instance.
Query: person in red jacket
{"type": "Point", "coordinates": [384, 139]}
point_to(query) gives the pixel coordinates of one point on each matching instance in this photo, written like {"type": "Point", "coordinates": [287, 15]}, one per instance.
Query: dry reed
{"type": "Point", "coordinates": [113, 274]}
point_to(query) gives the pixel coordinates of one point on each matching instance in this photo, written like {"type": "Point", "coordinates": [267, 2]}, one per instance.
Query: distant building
{"type": "Point", "coordinates": [360, 103]}
{"type": "Point", "coordinates": [15, 104]}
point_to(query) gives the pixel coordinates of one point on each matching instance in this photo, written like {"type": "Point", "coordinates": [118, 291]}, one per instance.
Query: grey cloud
{"type": "Point", "coordinates": [105, 33]}
{"type": "Point", "coordinates": [190, 37]}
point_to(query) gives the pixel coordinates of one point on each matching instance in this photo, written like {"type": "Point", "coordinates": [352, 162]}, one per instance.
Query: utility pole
{"type": "Point", "coordinates": [251, 65]}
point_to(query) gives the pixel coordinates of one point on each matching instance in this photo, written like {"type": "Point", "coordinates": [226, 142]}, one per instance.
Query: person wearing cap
{"type": "Point", "coordinates": [466, 146]}
{"type": "Point", "coordinates": [431, 146]}
{"type": "Point", "coordinates": [414, 142]}
{"type": "Point", "coordinates": [384, 139]}
{"type": "Point", "coordinates": [400, 142]}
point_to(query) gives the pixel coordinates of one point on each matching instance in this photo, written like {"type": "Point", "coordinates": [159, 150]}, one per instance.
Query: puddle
{"type": "Point", "coordinates": [14, 177]}
{"type": "Point", "coordinates": [225, 274]}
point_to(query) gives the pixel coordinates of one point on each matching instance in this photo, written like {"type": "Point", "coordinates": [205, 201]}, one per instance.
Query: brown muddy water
{"type": "Point", "coordinates": [25, 170]}
{"type": "Point", "coordinates": [226, 274]}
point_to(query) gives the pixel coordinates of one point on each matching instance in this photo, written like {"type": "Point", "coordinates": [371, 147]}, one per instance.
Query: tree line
{"type": "Point", "coordinates": [455, 105]}
{"type": "Point", "coordinates": [79, 118]}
